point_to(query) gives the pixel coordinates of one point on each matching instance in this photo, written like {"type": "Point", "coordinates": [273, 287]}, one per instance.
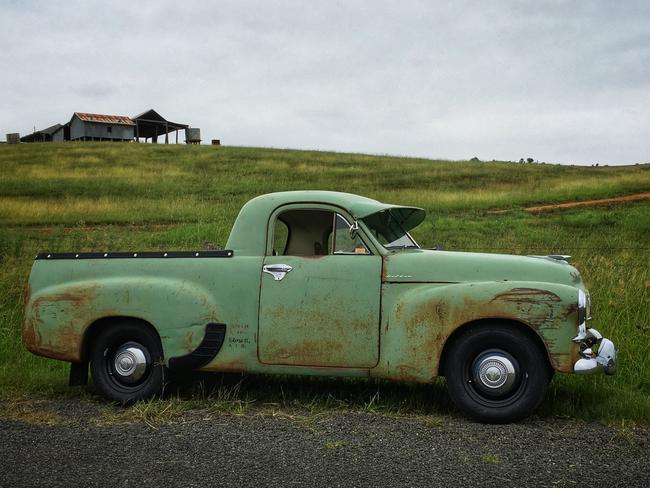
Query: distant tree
{"type": "Point", "coordinates": [475, 160]}
{"type": "Point", "coordinates": [521, 160]}
{"type": "Point", "coordinates": [529, 160]}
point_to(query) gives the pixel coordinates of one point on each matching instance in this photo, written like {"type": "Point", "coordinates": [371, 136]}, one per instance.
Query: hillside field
{"type": "Point", "coordinates": [109, 196]}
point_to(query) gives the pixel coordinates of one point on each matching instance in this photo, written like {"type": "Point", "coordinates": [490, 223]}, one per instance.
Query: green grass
{"type": "Point", "coordinates": [103, 196]}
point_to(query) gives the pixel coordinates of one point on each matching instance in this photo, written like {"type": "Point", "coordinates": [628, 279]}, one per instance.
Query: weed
{"type": "Point", "coordinates": [491, 458]}
{"type": "Point", "coordinates": [430, 421]}
{"type": "Point", "coordinates": [335, 444]}
{"type": "Point", "coordinates": [30, 412]}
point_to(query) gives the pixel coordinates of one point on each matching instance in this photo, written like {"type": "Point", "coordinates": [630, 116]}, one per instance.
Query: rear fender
{"type": "Point", "coordinates": [57, 317]}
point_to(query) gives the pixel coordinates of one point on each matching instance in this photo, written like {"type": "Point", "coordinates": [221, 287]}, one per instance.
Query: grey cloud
{"type": "Point", "coordinates": [561, 81]}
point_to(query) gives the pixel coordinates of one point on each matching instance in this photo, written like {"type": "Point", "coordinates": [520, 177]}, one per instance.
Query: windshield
{"type": "Point", "coordinates": [388, 231]}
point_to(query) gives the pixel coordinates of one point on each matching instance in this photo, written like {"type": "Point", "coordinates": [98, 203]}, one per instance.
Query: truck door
{"type": "Point", "coordinates": [320, 293]}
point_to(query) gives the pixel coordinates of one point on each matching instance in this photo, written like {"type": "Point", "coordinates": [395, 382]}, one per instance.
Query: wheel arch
{"type": "Point", "coordinates": [98, 325]}
{"type": "Point", "coordinates": [515, 324]}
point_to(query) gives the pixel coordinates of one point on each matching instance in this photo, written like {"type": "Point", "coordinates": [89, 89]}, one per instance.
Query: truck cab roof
{"type": "Point", "coordinates": [247, 239]}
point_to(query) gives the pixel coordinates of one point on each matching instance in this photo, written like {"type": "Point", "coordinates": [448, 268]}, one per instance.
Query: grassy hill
{"type": "Point", "coordinates": [103, 196]}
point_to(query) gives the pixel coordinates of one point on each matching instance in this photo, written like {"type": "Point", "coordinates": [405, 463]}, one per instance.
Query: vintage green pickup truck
{"type": "Point", "coordinates": [319, 283]}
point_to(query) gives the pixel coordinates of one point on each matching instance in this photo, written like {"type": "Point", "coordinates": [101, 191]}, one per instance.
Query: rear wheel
{"type": "Point", "coordinates": [126, 362]}
{"type": "Point", "coordinates": [496, 373]}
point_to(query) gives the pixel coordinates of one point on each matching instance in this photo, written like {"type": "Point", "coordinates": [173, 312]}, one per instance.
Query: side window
{"type": "Point", "coordinates": [280, 238]}
{"type": "Point", "coordinates": [344, 241]}
{"type": "Point", "coordinates": [303, 232]}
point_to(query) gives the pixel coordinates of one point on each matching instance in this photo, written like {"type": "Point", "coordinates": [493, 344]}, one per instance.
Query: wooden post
{"type": "Point", "coordinates": [176, 136]}
{"type": "Point", "coordinates": [166, 133]}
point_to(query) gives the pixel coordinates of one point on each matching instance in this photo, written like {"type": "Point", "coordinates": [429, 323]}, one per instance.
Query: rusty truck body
{"type": "Point", "coordinates": [319, 283]}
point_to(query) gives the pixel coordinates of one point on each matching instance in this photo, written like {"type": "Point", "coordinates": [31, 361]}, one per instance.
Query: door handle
{"type": "Point", "coordinates": [278, 271]}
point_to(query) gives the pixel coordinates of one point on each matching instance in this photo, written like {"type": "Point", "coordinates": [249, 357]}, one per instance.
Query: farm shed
{"type": "Point", "coordinates": [99, 127]}
{"type": "Point", "coordinates": [62, 133]}
{"type": "Point", "coordinates": [151, 124]}
{"type": "Point", "coordinates": [45, 135]}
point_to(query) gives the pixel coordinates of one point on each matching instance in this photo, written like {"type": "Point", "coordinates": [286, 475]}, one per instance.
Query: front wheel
{"type": "Point", "coordinates": [496, 373]}
{"type": "Point", "coordinates": [126, 362]}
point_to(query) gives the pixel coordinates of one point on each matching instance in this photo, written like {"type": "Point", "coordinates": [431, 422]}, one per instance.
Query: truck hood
{"type": "Point", "coordinates": [427, 266]}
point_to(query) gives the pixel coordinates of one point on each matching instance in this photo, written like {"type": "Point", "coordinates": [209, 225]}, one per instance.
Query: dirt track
{"type": "Point", "coordinates": [334, 449]}
{"type": "Point", "coordinates": [588, 203]}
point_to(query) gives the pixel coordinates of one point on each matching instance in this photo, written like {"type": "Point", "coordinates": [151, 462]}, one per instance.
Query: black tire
{"type": "Point", "coordinates": [475, 367]}
{"type": "Point", "coordinates": [126, 389]}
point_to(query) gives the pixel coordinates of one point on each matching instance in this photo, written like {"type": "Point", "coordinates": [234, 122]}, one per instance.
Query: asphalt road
{"type": "Point", "coordinates": [335, 449]}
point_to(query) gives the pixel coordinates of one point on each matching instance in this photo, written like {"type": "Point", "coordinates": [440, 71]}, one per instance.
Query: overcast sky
{"type": "Point", "coordinates": [559, 81]}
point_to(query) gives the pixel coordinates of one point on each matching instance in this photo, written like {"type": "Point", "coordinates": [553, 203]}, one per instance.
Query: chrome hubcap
{"type": "Point", "coordinates": [130, 363]}
{"type": "Point", "coordinates": [494, 373]}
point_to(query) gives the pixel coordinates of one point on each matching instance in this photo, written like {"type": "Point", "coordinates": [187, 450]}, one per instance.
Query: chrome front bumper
{"type": "Point", "coordinates": [590, 362]}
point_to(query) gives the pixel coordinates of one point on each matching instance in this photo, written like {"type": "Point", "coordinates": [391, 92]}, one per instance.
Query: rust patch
{"type": "Point", "coordinates": [29, 333]}
{"type": "Point", "coordinates": [533, 306]}
{"type": "Point", "coordinates": [562, 361]}
{"type": "Point", "coordinates": [441, 311]}
{"type": "Point", "coordinates": [527, 295]}
{"type": "Point", "coordinates": [234, 366]}
{"type": "Point", "coordinates": [55, 339]}
{"type": "Point", "coordinates": [308, 353]}
{"type": "Point", "coordinates": [30, 336]}
{"type": "Point", "coordinates": [407, 374]}
{"type": "Point", "coordinates": [571, 309]}
{"type": "Point", "coordinates": [335, 342]}
{"type": "Point", "coordinates": [565, 360]}
{"type": "Point", "coordinates": [423, 334]}
{"type": "Point", "coordinates": [64, 344]}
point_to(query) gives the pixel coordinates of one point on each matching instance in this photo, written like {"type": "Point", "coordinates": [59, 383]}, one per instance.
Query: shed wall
{"type": "Point", "coordinates": [79, 129]}
{"type": "Point", "coordinates": [58, 135]}
{"type": "Point", "coordinates": [76, 129]}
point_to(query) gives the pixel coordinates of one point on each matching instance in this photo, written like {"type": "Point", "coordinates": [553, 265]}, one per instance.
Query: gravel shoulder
{"type": "Point", "coordinates": [76, 444]}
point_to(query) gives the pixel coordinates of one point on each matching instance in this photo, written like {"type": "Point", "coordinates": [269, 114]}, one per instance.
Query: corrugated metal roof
{"type": "Point", "coordinates": [41, 135]}
{"type": "Point", "coordinates": [105, 119]}
{"type": "Point", "coordinates": [52, 129]}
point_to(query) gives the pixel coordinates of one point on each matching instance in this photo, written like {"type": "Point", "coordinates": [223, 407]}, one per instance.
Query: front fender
{"type": "Point", "coordinates": [57, 317]}
{"type": "Point", "coordinates": [418, 319]}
